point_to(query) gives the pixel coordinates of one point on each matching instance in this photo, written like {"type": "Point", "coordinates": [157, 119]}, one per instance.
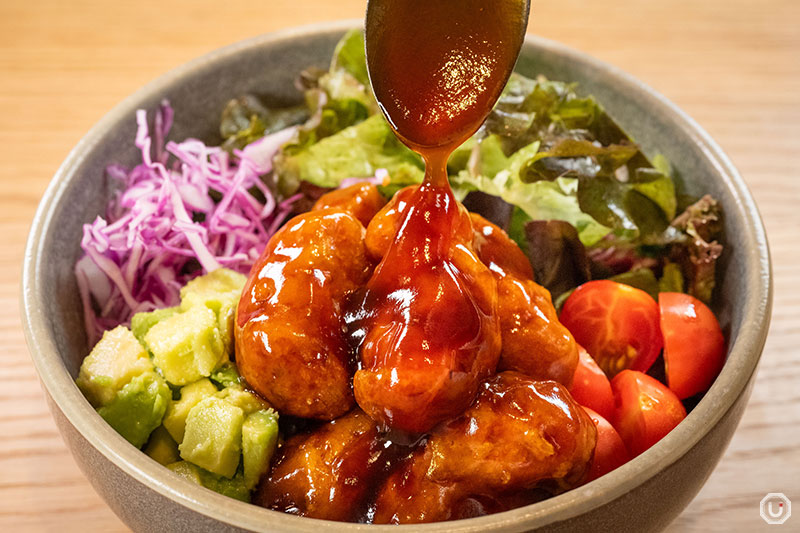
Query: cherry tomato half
{"type": "Point", "coordinates": [590, 386]}
{"type": "Point", "coordinates": [610, 452]}
{"type": "Point", "coordinates": [616, 323]}
{"type": "Point", "coordinates": [645, 410]}
{"type": "Point", "coordinates": [694, 347]}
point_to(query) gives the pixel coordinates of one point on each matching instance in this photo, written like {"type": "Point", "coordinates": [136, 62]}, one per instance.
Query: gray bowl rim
{"type": "Point", "coordinates": [742, 360]}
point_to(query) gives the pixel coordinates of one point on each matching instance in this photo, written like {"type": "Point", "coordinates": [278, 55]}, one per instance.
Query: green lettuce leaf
{"type": "Point", "coordinates": [558, 258]}
{"type": "Point", "coordinates": [350, 56]}
{"type": "Point", "coordinates": [541, 200]}
{"type": "Point", "coordinates": [336, 99]}
{"type": "Point", "coordinates": [356, 151]}
{"type": "Point", "coordinates": [247, 119]}
{"type": "Point", "coordinates": [671, 278]}
{"type": "Point", "coordinates": [698, 252]}
{"type": "Point", "coordinates": [578, 159]}
{"type": "Point", "coordinates": [640, 278]}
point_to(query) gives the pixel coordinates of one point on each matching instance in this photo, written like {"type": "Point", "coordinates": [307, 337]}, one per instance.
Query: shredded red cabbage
{"type": "Point", "coordinates": [164, 227]}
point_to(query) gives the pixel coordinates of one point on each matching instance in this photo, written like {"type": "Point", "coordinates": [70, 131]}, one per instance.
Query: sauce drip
{"type": "Point", "coordinates": [426, 327]}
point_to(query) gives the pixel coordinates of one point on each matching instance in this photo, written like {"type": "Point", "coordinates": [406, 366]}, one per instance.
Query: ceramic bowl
{"type": "Point", "coordinates": [643, 495]}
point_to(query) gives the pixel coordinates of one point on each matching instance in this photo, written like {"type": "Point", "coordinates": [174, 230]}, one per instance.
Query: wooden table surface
{"type": "Point", "coordinates": [733, 65]}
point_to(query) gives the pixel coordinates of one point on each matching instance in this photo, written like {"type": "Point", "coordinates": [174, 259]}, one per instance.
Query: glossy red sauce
{"type": "Point", "coordinates": [426, 327]}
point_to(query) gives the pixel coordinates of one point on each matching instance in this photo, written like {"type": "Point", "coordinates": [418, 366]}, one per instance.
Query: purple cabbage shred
{"type": "Point", "coordinates": [185, 210]}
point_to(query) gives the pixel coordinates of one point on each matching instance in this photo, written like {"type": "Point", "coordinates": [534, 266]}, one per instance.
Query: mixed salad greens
{"type": "Point", "coordinates": [548, 165]}
{"type": "Point", "coordinates": [163, 270]}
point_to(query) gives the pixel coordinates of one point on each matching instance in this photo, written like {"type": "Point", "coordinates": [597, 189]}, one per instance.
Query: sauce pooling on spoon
{"type": "Point", "coordinates": [426, 327]}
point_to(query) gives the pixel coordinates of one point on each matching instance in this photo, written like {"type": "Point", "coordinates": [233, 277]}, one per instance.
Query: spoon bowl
{"type": "Point", "coordinates": [437, 68]}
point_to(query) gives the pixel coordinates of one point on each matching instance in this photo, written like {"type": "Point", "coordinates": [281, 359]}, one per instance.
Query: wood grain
{"type": "Point", "coordinates": [734, 65]}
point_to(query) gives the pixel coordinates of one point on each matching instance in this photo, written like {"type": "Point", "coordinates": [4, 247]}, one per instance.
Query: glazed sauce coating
{"type": "Point", "coordinates": [409, 497]}
{"type": "Point", "coordinates": [290, 343]}
{"type": "Point", "coordinates": [362, 200]}
{"type": "Point", "coordinates": [519, 434]}
{"type": "Point", "coordinates": [328, 474]}
{"type": "Point", "coordinates": [536, 430]}
{"type": "Point", "coordinates": [384, 225]}
{"type": "Point", "coordinates": [497, 251]}
{"type": "Point", "coordinates": [534, 341]}
{"type": "Point", "coordinates": [426, 327]}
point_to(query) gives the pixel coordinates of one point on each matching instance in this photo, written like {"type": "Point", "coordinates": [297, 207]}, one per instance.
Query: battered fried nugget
{"type": "Point", "coordinates": [498, 252]}
{"type": "Point", "coordinates": [384, 225]}
{"type": "Point", "coordinates": [290, 342]}
{"type": "Point", "coordinates": [534, 341]}
{"type": "Point", "coordinates": [408, 496]}
{"type": "Point", "coordinates": [426, 328]}
{"type": "Point", "coordinates": [518, 434]}
{"type": "Point", "coordinates": [328, 474]}
{"type": "Point", "coordinates": [361, 200]}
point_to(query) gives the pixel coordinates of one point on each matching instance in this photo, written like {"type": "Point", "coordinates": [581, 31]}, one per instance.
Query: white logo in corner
{"type": "Point", "coordinates": [776, 508]}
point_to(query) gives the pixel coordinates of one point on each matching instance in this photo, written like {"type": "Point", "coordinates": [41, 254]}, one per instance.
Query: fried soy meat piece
{"type": "Point", "coordinates": [426, 327]}
{"type": "Point", "coordinates": [329, 474]}
{"type": "Point", "coordinates": [290, 342]}
{"type": "Point", "coordinates": [534, 341]}
{"type": "Point", "coordinates": [519, 435]}
{"type": "Point", "coordinates": [384, 225]}
{"type": "Point", "coordinates": [362, 200]}
{"type": "Point", "coordinates": [409, 496]}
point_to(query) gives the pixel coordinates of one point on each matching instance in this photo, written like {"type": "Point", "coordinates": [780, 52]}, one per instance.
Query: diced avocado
{"type": "Point", "coordinates": [187, 471]}
{"type": "Point", "coordinates": [259, 439]}
{"type": "Point", "coordinates": [221, 284]}
{"type": "Point", "coordinates": [233, 488]}
{"type": "Point", "coordinates": [226, 375]}
{"type": "Point", "coordinates": [220, 291]}
{"type": "Point", "coordinates": [115, 360]}
{"type": "Point", "coordinates": [142, 322]}
{"type": "Point", "coordinates": [225, 317]}
{"type": "Point", "coordinates": [138, 408]}
{"type": "Point", "coordinates": [213, 436]}
{"type": "Point", "coordinates": [191, 394]}
{"type": "Point", "coordinates": [162, 447]}
{"type": "Point", "coordinates": [186, 346]}
{"type": "Point", "coordinates": [245, 400]}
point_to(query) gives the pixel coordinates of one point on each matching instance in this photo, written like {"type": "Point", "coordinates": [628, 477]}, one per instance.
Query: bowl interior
{"type": "Point", "coordinates": [267, 66]}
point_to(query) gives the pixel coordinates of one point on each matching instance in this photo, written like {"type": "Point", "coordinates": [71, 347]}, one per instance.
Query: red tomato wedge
{"type": "Point", "coordinates": [590, 386]}
{"type": "Point", "coordinates": [610, 452]}
{"type": "Point", "coordinates": [694, 347]}
{"type": "Point", "coordinates": [645, 410]}
{"type": "Point", "coordinates": [616, 323]}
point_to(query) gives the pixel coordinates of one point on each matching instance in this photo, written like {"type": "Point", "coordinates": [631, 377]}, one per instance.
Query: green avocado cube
{"type": "Point", "coordinates": [114, 361]}
{"type": "Point", "coordinates": [177, 411]}
{"type": "Point", "coordinates": [213, 436]}
{"type": "Point", "coordinates": [245, 400]}
{"type": "Point", "coordinates": [225, 318]}
{"type": "Point", "coordinates": [233, 488]}
{"type": "Point", "coordinates": [259, 440]}
{"type": "Point", "coordinates": [142, 322]}
{"type": "Point", "coordinates": [186, 346]}
{"type": "Point", "coordinates": [220, 291]}
{"type": "Point", "coordinates": [138, 408]}
{"type": "Point", "coordinates": [227, 375]}
{"type": "Point", "coordinates": [187, 471]}
{"type": "Point", "coordinates": [162, 447]}
{"type": "Point", "coordinates": [211, 289]}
